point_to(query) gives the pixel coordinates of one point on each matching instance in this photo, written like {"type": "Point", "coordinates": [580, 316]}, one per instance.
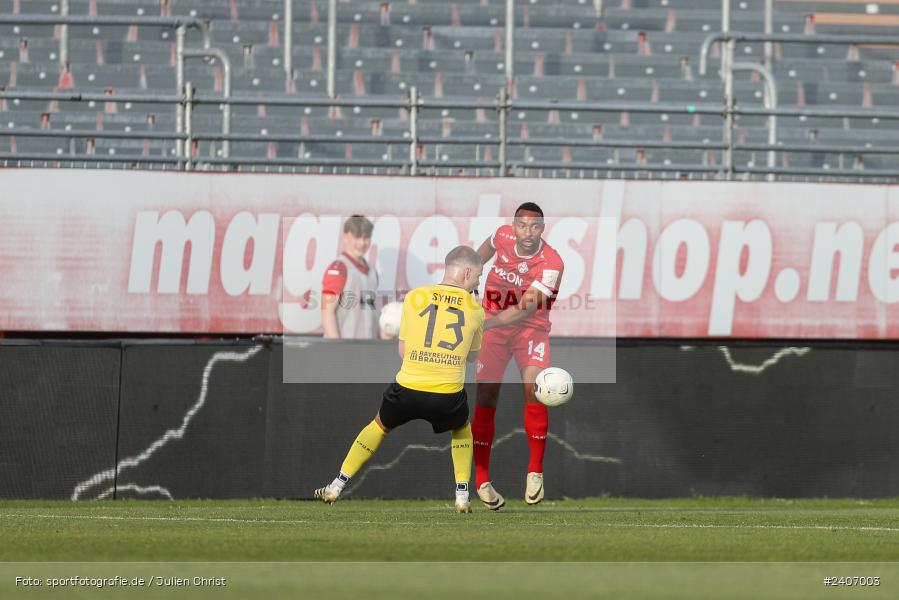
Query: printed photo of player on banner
{"type": "Point", "coordinates": [344, 288]}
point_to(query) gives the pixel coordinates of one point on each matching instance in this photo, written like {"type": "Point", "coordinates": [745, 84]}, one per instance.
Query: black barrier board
{"type": "Point", "coordinates": [761, 420]}
{"type": "Point", "coordinates": [58, 408]}
{"type": "Point", "coordinates": [193, 421]}
{"type": "Point", "coordinates": [217, 421]}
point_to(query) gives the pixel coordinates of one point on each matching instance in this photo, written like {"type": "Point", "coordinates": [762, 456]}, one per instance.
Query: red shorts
{"type": "Point", "coordinates": [530, 347]}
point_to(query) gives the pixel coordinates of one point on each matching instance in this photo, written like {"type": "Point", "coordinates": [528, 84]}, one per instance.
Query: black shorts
{"type": "Point", "coordinates": [444, 412]}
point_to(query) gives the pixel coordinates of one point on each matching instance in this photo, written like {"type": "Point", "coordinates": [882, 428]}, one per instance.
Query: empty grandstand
{"type": "Point", "coordinates": [570, 88]}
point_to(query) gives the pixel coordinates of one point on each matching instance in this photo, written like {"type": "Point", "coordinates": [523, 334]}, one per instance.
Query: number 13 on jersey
{"type": "Point", "coordinates": [431, 312]}
{"type": "Point", "coordinates": [441, 325]}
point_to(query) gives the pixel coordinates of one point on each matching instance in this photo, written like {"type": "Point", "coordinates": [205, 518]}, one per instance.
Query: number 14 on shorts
{"type": "Point", "coordinates": [538, 350]}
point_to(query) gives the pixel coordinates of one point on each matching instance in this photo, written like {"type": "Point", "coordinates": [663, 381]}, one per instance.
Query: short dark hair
{"type": "Point", "coordinates": [463, 255]}
{"type": "Point", "coordinates": [530, 207]}
{"type": "Point", "coordinates": [359, 226]}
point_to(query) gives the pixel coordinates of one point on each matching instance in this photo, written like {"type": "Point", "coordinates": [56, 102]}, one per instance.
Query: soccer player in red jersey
{"type": "Point", "coordinates": [521, 287]}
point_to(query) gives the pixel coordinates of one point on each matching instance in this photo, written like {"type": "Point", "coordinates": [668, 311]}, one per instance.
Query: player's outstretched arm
{"type": "Point", "coordinates": [486, 250]}
{"type": "Point", "coordinates": [529, 303]}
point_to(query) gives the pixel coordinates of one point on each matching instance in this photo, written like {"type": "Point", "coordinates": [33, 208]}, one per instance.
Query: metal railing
{"type": "Point", "coordinates": [187, 158]}
{"type": "Point", "coordinates": [288, 43]}
{"type": "Point", "coordinates": [728, 40]}
{"type": "Point", "coordinates": [83, 20]}
{"type": "Point", "coordinates": [332, 47]}
{"type": "Point", "coordinates": [226, 90]}
{"type": "Point", "coordinates": [187, 139]}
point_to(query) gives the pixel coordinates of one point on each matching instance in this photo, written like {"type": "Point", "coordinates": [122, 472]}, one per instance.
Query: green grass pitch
{"type": "Point", "coordinates": [610, 547]}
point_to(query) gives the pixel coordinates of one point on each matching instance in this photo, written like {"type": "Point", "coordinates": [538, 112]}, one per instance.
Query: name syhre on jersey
{"type": "Point", "coordinates": [512, 275]}
{"type": "Point", "coordinates": [447, 299]}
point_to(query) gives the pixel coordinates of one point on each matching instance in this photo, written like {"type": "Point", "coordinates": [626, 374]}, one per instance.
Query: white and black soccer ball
{"type": "Point", "coordinates": [390, 318]}
{"type": "Point", "coordinates": [554, 386]}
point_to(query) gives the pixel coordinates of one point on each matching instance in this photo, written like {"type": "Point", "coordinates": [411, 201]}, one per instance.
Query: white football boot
{"type": "Point", "coordinates": [327, 494]}
{"type": "Point", "coordinates": [490, 497]}
{"type": "Point", "coordinates": [533, 492]}
{"type": "Point", "coordinates": [462, 507]}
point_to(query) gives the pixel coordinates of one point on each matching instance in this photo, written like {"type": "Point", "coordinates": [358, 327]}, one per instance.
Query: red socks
{"type": "Point", "coordinates": [536, 422]}
{"type": "Point", "coordinates": [482, 430]}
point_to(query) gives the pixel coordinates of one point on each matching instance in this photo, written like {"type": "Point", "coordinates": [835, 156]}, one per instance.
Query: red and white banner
{"type": "Point", "coordinates": [220, 253]}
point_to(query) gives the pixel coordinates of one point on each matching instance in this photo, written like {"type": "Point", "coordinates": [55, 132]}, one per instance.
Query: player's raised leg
{"type": "Point", "coordinates": [536, 424]}
{"type": "Point", "coordinates": [462, 455]}
{"type": "Point", "coordinates": [363, 448]}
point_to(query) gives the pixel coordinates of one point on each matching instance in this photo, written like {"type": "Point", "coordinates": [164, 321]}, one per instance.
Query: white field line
{"type": "Point", "coordinates": [127, 518]}
{"type": "Point", "coordinates": [192, 519]}
{"type": "Point", "coordinates": [714, 526]}
{"type": "Point", "coordinates": [301, 521]}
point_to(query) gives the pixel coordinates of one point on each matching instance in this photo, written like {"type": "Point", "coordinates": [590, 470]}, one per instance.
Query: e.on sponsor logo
{"type": "Point", "coordinates": [511, 277]}
{"type": "Point", "coordinates": [606, 257]}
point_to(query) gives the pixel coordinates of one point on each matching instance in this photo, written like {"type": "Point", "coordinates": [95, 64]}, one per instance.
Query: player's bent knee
{"type": "Point", "coordinates": [380, 423]}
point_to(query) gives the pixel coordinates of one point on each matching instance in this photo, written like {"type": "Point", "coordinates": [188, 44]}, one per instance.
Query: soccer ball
{"type": "Point", "coordinates": [554, 386]}
{"type": "Point", "coordinates": [390, 318]}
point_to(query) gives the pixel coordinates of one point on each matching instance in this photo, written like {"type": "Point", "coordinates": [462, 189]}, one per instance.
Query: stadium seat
{"type": "Point", "coordinates": [639, 51]}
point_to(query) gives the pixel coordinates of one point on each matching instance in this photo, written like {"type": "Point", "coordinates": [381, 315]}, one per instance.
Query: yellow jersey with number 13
{"type": "Point", "coordinates": [441, 324]}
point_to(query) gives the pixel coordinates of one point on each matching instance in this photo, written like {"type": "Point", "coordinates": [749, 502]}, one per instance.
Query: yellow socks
{"type": "Point", "coordinates": [461, 447]}
{"type": "Point", "coordinates": [363, 448]}
{"type": "Point", "coordinates": [370, 438]}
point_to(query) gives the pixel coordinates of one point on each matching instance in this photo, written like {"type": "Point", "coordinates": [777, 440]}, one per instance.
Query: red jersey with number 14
{"type": "Point", "coordinates": [512, 275]}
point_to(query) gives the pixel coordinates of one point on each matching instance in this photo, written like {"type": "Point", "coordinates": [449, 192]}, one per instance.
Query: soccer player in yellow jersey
{"type": "Point", "coordinates": [441, 330]}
